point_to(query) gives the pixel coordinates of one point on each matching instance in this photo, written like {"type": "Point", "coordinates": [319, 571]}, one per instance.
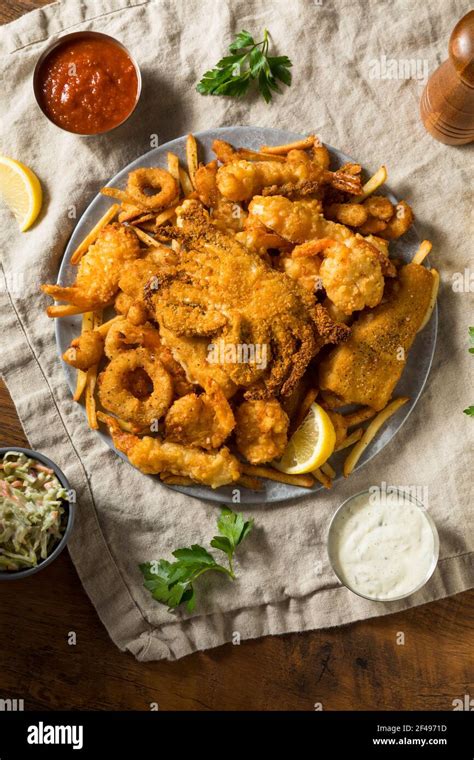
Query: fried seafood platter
{"type": "Point", "coordinates": [246, 306]}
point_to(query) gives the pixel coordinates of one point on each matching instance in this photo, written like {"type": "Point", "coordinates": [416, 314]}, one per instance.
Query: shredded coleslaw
{"type": "Point", "coordinates": [31, 511]}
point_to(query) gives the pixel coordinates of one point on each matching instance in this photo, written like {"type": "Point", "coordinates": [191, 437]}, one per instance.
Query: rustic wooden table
{"type": "Point", "coordinates": [358, 667]}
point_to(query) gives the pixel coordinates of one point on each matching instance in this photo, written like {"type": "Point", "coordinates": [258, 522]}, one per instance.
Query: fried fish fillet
{"type": "Point", "coordinates": [366, 369]}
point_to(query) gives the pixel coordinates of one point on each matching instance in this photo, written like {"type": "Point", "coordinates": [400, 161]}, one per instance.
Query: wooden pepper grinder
{"type": "Point", "coordinates": [447, 103]}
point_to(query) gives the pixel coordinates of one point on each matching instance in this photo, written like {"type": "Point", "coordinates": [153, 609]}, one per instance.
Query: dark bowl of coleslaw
{"type": "Point", "coordinates": [36, 512]}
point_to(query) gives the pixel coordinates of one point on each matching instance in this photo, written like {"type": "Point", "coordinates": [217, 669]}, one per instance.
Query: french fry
{"type": "Point", "coordinates": [173, 165]}
{"type": "Point", "coordinates": [185, 182]}
{"type": "Point", "coordinates": [434, 296]}
{"type": "Point", "coordinates": [281, 150]}
{"type": "Point", "coordinates": [120, 195]}
{"type": "Point", "coordinates": [372, 185]}
{"type": "Point", "coordinates": [254, 155]}
{"type": "Point", "coordinates": [64, 310]}
{"type": "Point", "coordinates": [355, 418]}
{"type": "Point", "coordinates": [304, 409]}
{"type": "Point", "coordinates": [93, 234]}
{"type": "Point", "coordinates": [328, 470]}
{"type": "Point", "coordinates": [422, 252]}
{"type": "Point", "coordinates": [166, 215]}
{"type": "Point", "coordinates": [87, 321]}
{"type": "Point", "coordinates": [147, 239]}
{"type": "Point", "coordinates": [81, 376]}
{"type": "Point", "coordinates": [129, 427]}
{"type": "Point", "coordinates": [142, 219]}
{"type": "Point", "coordinates": [90, 400]}
{"type": "Point", "coordinates": [105, 327]}
{"type": "Point", "coordinates": [247, 481]}
{"type": "Point", "coordinates": [350, 439]}
{"type": "Point", "coordinates": [97, 319]}
{"type": "Point", "coordinates": [371, 432]}
{"type": "Point", "coordinates": [81, 380]}
{"type": "Point", "coordinates": [323, 478]}
{"type": "Point", "coordinates": [129, 212]}
{"type": "Point", "coordinates": [192, 156]}
{"type": "Point", "coordinates": [304, 481]}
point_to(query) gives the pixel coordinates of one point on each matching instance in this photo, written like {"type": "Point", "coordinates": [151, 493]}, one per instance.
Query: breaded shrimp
{"type": "Point", "coordinates": [240, 180]}
{"type": "Point", "coordinates": [98, 274]}
{"type": "Point", "coordinates": [204, 421]}
{"type": "Point", "coordinates": [85, 351]}
{"type": "Point", "coordinates": [297, 221]}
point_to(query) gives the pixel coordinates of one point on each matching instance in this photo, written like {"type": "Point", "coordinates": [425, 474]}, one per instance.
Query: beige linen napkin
{"type": "Point", "coordinates": [338, 48]}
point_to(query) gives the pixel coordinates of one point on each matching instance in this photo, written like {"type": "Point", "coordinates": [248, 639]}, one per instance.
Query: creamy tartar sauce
{"type": "Point", "coordinates": [382, 547]}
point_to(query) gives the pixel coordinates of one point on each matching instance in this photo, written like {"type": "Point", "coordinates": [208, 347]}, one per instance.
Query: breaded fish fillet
{"type": "Point", "coordinates": [366, 369]}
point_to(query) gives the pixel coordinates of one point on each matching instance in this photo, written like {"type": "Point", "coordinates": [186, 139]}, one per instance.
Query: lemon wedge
{"type": "Point", "coordinates": [21, 190]}
{"type": "Point", "coordinates": [309, 446]}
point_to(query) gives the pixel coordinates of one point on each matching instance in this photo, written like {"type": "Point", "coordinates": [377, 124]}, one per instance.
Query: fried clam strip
{"type": "Point", "coordinates": [366, 369]}
{"type": "Point", "coordinates": [154, 456]}
{"type": "Point", "coordinates": [240, 180]}
{"type": "Point", "coordinates": [99, 270]}
{"type": "Point", "coordinates": [223, 291]}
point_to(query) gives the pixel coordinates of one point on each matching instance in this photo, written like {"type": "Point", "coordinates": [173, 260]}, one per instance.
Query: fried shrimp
{"type": "Point", "coordinates": [304, 269]}
{"type": "Point", "coordinates": [98, 274]}
{"type": "Point", "coordinates": [261, 430]}
{"type": "Point", "coordinates": [297, 221]}
{"type": "Point", "coordinates": [204, 421]}
{"type": "Point", "coordinates": [124, 336]}
{"type": "Point", "coordinates": [154, 456]}
{"type": "Point", "coordinates": [125, 374]}
{"type": "Point", "coordinates": [159, 180]}
{"type": "Point", "coordinates": [85, 351]}
{"type": "Point", "coordinates": [240, 180]}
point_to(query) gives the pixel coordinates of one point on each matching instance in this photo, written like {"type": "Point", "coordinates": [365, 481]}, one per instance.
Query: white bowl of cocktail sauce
{"type": "Point", "coordinates": [383, 545]}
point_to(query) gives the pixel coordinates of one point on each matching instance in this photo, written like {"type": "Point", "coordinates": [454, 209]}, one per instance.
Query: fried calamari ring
{"type": "Point", "coordinates": [118, 381]}
{"type": "Point", "coordinates": [155, 179]}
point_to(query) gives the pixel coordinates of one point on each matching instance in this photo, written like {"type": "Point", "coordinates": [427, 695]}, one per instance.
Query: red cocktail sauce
{"type": "Point", "coordinates": [88, 85]}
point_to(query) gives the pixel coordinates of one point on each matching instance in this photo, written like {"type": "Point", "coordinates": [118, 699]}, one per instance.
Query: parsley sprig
{"type": "Point", "coordinates": [171, 583]}
{"type": "Point", "coordinates": [470, 409]}
{"type": "Point", "coordinates": [249, 61]}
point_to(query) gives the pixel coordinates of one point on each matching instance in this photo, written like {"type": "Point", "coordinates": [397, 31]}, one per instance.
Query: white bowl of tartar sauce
{"type": "Point", "coordinates": [382, 544]}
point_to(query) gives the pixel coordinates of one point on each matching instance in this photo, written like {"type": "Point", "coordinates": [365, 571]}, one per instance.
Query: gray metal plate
{"type": "Point", "coordinates": [420, 358]}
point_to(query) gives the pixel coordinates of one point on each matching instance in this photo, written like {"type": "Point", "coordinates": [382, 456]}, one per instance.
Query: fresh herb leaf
{"type": "Point", "coordinates": [248, 62]}
{"type": "Point", "coordinates": [469, 411]}
{"type": "Point", "coordinates": [233, 529]}
{"type": "Point", "coordinates": [171, 583]}
{"type": "Point", "coordinates": [233, 526]}
{"type": "Point", "coordinates": [243, 40]}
